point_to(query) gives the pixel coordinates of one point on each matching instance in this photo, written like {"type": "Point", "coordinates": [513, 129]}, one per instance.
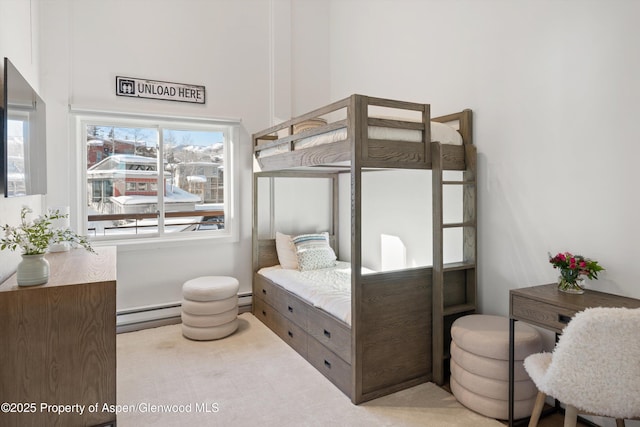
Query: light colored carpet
{"type": "Point", "coordinates": [254, 378]}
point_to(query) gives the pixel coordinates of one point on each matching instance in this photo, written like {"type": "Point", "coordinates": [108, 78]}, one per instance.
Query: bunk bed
{"type": "Point", "coordinates": [394, 332]}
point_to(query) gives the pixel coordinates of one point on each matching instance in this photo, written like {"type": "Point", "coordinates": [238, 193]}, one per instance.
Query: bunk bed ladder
{"type": "Point", "coordinates": [454, 284]}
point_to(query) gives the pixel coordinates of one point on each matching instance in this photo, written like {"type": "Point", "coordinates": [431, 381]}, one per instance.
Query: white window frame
{"type": "Point", "coordinates": [231, 128]}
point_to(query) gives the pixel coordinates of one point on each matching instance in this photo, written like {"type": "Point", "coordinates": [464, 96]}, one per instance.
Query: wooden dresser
{"type": "Point", "coordinates": [58, 343]}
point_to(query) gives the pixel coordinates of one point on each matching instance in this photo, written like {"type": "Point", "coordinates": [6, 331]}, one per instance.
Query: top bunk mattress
{"type": "Point", "coordinates": [328, 289]}
{"type": "Point", "coordinates": [440, 132]}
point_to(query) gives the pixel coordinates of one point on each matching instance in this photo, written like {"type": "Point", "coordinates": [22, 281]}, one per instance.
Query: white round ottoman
{"type": "Point", "coordinates": [480, 365]}
{"type": "Point", "coordinates": [209, 307]}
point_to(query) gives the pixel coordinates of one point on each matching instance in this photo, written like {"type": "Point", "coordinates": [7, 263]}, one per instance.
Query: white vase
{"type": "Point", "coordinates": [33, 270]}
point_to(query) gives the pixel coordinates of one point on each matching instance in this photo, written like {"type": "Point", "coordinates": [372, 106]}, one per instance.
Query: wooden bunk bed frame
{"type": "Point", "coordinates": [398, 336]}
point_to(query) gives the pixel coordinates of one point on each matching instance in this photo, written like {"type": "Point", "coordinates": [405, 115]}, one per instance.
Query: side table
{"type": "Point", "coordinates": [547, 307]}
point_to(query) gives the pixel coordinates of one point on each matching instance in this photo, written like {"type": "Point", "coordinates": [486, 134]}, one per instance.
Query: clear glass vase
{"type": "Point", "coordinates": [575, 287]}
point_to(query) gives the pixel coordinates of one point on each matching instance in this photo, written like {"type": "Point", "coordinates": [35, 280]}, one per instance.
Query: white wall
{"type": "Point", "coordinates": [19, 30]}
{"type": "Point", "coordinates": [310, 56]}
{"type": "Point", "coordinates": [554, 90]}
{"type": "Point", "coordinates": [553, 86]}
{"type": "Point", "coordinates": [224, 45]}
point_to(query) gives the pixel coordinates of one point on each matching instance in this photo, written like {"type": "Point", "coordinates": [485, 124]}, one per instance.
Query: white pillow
{"type": "Point", "coordinates": [441, 132]}
{"type": "Point", "coordinates": [445, 134]}
{"type": "Point", "coordinates": [286, 251]}
{"type": "Point", "coordinates": [314, 252]}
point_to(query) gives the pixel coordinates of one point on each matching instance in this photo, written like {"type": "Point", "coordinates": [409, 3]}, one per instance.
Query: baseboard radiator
{"type": "Point", "coordinates": [153, 316]}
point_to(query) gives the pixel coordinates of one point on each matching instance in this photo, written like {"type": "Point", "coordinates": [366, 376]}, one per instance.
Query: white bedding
{"type": "Point", "coordinates": [441, 132]}
{"type": "Point", "coordinates": [327, 288]}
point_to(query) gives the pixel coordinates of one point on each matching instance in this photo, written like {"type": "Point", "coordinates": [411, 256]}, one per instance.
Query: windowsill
{"type": "Point", "coordinates": [126, 245]}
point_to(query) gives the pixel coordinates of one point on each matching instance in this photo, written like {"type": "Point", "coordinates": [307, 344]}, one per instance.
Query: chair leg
{"type": "Point", "coordinates": [537, 409]}
{"type": "Point", "coordinates": [619, 422]}
{"type": "Point", "coordinates": [570, 416]}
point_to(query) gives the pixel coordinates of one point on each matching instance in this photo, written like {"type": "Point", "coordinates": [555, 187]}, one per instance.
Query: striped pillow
{"type": "Point", "coordinates": [314, 252]}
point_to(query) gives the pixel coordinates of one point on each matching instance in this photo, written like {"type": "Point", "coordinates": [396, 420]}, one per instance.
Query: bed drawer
{"type": "Point", "coordinates": [330, 333]}
{"type": "Point", "coordinates": [293, 335]}
{"type": "Point", "coordinates": [267, 291]}
{"type": "Point", "coordinates": [294, 309]}
{"type": "Point", "coordinates": [330, 365]}
{"type": "Point", "coordinates": [267, 314]}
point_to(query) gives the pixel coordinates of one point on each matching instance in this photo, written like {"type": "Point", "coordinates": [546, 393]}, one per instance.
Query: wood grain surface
{"type": "Point", "coordinates": [59, 341]}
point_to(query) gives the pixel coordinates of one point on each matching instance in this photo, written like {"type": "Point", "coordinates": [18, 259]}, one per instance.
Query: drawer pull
{"type": "Point", "coordinates": [264, 313]}
{"type": "Point", "coordinates": [327, 334]}
{"type": "Point", "coordinates": [327, 364]}
{"type": "Point", "coordinates": [290, 334]}
{"type": "Point", "coordinates": [290, 309]}
{"type": "Point", "coordinates": [264, 291]}
{"type": "Point", "coordinates": [564, 319]}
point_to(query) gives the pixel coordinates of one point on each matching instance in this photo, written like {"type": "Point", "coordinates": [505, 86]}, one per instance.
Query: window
{"type": "Point", "coordinates": [130, 159]}
{"type": "Point", "coordinates": [16, 177]}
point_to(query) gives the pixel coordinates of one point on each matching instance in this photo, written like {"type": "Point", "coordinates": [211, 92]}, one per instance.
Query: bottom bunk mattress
{"type": "Point", "coordinates": [328, 289]}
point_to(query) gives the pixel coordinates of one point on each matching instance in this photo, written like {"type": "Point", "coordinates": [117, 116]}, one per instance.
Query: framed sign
{"type": "Point", "coordinates": [155, 89]}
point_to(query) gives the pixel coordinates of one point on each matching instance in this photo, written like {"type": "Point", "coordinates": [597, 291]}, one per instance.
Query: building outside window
{"type": "Point", "coordinates": [156, 178]}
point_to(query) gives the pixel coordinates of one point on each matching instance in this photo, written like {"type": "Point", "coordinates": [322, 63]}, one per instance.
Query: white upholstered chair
{"type": "Point", "coordinates": [594, 368]}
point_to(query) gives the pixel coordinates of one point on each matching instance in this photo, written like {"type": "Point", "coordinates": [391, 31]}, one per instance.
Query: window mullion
{"type": "Point", "coordinates": [160, 177]}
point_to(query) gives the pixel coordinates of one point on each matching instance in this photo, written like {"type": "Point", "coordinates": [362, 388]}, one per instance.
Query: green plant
{"type": "Point", "coordinates": [573, 266]}
{"type": "Point", "coordinates": [34, 237]}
